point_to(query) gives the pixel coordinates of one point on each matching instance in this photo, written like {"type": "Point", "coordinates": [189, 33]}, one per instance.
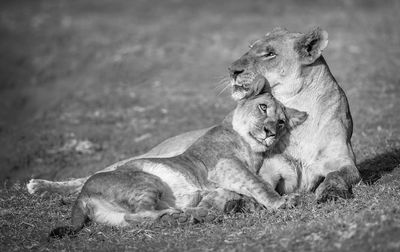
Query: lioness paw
{"type": "Point", "coordinates": [332, 189]}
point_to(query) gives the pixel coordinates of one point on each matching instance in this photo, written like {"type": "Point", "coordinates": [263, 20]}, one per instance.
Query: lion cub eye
{"type": "Point", "coordinates": [281, 124]}
{"type": "Point", "coordinates": [262, 107]}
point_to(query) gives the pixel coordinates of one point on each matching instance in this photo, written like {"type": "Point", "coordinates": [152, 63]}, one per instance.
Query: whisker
{"type": "Point", "coordinates": [227, 86]}
{"type": "Point", "coordinates": [222, 83]}
{"type": "Point", "coordinates": [219, 86]}
{"type": "Point", "coordinates": [220, 77]}
{"type": "Point", "coordinates": [224, 79]}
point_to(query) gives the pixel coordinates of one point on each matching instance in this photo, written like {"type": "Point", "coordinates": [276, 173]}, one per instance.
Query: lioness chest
{"type": "Point", "coordinates": [296, 166]}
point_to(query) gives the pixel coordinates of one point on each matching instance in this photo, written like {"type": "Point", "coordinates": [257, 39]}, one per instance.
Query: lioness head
{"type": "Point", "coordinates": [261, 120]}
{"type": "Point", "coordinates": [276, 63]}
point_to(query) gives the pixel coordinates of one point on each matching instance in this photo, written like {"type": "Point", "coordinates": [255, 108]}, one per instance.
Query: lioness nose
{"type": "Point", "coordinates": [235, 72]}
{"type": "Point", "coordinates": [238, 66]}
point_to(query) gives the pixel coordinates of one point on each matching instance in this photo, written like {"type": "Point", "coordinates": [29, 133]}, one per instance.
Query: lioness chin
{"type": "Point", "coordinates": [218, 167]}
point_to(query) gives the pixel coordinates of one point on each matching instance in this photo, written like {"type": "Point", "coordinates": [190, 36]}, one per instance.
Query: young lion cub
{"type": "Point", "coordinates": [218, 167]}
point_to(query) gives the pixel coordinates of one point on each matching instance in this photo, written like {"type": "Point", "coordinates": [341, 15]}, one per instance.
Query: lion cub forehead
{"type": "Point", "coordinates": [266, 97]}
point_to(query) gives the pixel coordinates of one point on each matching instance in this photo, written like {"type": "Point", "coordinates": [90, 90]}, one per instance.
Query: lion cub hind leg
{"type": "Point", "coordinates": [114, 197]}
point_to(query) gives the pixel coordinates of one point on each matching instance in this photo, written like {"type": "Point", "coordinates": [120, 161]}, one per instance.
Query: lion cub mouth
{"type": "Point", "coordinates": [267, 141]}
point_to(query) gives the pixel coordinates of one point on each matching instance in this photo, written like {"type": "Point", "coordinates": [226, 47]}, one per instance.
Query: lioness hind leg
{"type": "Point", "coordinates": [39, 186]}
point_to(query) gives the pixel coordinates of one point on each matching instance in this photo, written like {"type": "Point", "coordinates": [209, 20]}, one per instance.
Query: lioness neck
{"type": "Point", "coordinates": [317, 90]}
{"type": "Point", "coordinates": [324, 101]}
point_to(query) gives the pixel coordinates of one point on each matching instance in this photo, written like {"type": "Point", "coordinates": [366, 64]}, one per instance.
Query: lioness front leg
{"type": "Point", "coordinates": [233, 175]}
{"type": "Point", "coordinates": [338, 184]}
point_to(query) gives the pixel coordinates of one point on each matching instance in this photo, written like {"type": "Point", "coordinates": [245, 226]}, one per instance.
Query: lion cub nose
{"type": "Point", "coordinates": [269, 131]}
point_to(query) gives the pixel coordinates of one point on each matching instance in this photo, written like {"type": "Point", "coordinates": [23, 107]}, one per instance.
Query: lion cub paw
{"type": "Point", "coordinates": [200, 215]}
{"type": "Point", "coordinates": [190, 216]}
{"type": "Point", "coordinates": [148, 219]}
{"type": "Point", "coordinates": [288, 201]}
{"type": "Point", "coordinates": [242, 206]}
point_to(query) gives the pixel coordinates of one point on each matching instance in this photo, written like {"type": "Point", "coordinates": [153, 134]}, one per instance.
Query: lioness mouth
{"type": "Point", "coordinates": [240, 87]}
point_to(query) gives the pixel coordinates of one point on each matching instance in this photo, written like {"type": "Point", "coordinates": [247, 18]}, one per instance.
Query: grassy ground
{"type": "Point", "coordinates": [86, 83]}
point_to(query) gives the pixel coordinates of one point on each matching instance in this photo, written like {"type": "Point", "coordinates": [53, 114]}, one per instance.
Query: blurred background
{"type": "Point", "coordinates": [86, 83]}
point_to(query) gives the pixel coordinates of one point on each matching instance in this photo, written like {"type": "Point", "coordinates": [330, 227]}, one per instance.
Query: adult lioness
{"type": "Point", "coordinates": [220, 163]}
{"type": "Point", "coordinates": [320, 155]}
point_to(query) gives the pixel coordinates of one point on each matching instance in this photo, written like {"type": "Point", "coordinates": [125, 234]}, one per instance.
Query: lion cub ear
{"type": "Point", "coordinates": [310, 45]}
{"type": "Point", "coordinates": [295, 117]}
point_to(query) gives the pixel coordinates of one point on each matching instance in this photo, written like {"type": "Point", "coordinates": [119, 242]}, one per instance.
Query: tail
{"type": "Point", "coordinates": [79, 219]}
{"type": "Point", "coordinates": [72, 186]}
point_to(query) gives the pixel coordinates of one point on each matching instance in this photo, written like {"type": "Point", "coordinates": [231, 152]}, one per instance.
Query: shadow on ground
{"type": "Point", "coordinates": [372, 169]}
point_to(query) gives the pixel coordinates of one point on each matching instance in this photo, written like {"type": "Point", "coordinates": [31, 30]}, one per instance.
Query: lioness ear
{"type": "Point", "coordinates": [310, 45]}
{"type": "Point", "coordinates": [295, 117]}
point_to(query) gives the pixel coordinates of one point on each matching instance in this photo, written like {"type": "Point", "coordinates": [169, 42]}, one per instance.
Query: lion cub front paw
{"type": "Point", "coordinates": [287, 201]}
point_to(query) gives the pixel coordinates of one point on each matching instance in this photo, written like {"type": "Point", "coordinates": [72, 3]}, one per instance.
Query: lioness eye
{"type": "Point", "coordinates": [262, 107]}
{"type": "Point", "coordinates": [269, 55]}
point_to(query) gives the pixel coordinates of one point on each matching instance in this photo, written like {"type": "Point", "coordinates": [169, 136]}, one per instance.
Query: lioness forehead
{"type": "Point", "coordinates": [275, 36]}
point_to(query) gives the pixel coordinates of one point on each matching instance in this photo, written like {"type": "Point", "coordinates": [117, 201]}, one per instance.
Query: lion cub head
{"type": "Point", "coordinates": [262, 121]}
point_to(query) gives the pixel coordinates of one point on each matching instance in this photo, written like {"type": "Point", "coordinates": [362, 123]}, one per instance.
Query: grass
{"type": "Point", "coordinates": [369, 222]}
{"type": "Point", "coordinates": [86, 83]}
